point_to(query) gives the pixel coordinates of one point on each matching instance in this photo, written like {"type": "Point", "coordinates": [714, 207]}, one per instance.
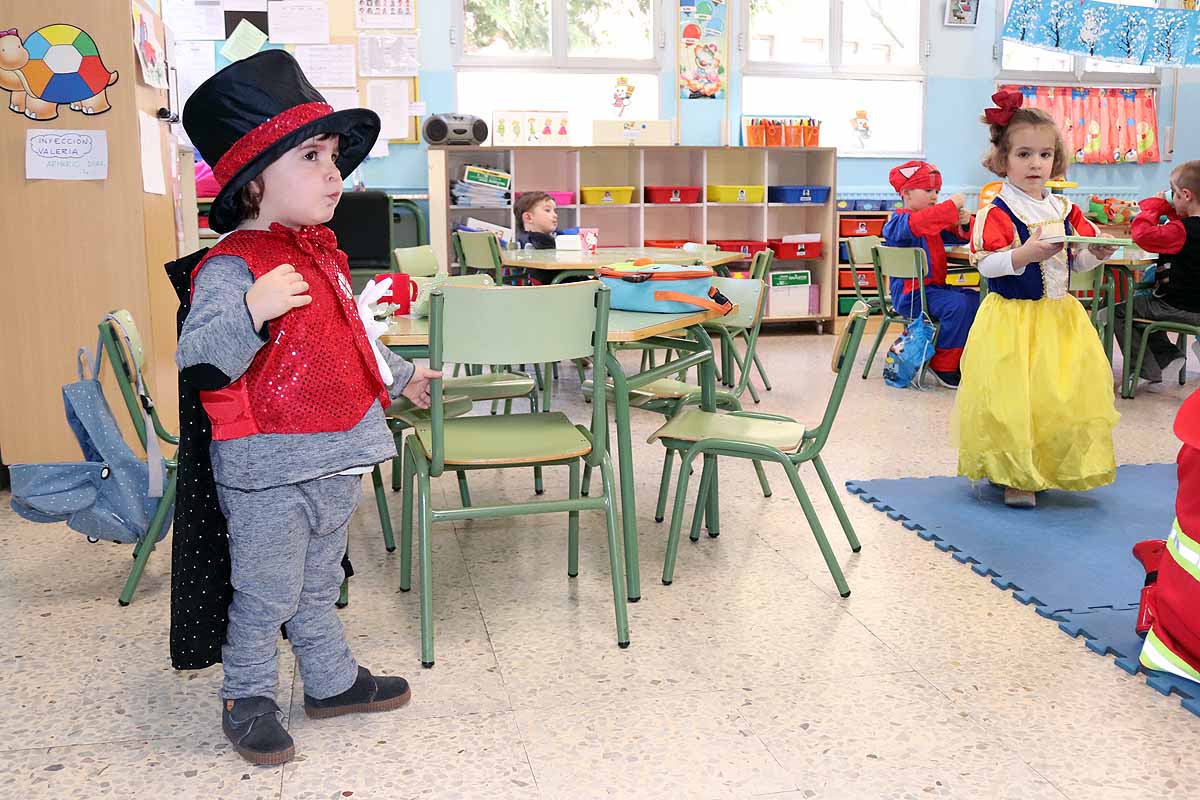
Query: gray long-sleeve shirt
{"type": "Point", "coordinates": [220, 332]}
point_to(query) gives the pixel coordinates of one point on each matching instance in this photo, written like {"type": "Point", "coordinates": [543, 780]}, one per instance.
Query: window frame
{"type": "Point", "coordinates": [559, 56]}
{"type": "Point", "coordinates": [834, 70]}
{"type": "Point", "coordinates": [1077, 76]}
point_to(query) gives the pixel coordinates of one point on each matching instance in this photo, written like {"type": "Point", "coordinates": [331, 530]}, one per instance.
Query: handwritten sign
{"type": "Point", "coordinates": [59, 155]}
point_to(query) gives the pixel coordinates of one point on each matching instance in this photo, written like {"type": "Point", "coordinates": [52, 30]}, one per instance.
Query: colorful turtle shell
{"type": "Point", "coordinates": [64, 65]}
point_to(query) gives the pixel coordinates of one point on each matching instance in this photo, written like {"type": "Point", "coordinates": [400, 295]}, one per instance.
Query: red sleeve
{"type": "Point", "coordinates": [1149, 235]}
{"type": "Point", "coordinates": [993, 233]}
{"type": "Point", "coordinates": [933, 220]}
{"type": "Point", "coordinates": [1081, 224]}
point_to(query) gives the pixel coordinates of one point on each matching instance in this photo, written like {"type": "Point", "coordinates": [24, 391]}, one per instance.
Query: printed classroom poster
{"type": "Point", "coordinates": [703, 49]}
{"type": "Point", "coordinates": [385, 14]}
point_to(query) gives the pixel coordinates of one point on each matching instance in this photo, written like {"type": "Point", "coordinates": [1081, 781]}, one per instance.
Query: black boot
{"type": "Point", "coordinates": [369, 693]}
{"type": "Point", "coordinates": [255, 726]}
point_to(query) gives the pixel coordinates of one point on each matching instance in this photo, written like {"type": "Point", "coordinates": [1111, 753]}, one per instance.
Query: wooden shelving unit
{"type": "Point", "coordinates": [843, 268]}
{"type": "Point", "coordinates": [554, 169]}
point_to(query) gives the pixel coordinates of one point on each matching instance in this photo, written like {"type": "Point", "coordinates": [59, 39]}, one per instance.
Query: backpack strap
{"type": "Point", "coordinates": [153, 448]}
{"type": "Point", "coordinates": [85, 364]}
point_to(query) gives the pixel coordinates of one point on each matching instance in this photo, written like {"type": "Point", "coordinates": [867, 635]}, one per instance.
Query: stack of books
{"type": "Point", "coordinates": [482, 187]}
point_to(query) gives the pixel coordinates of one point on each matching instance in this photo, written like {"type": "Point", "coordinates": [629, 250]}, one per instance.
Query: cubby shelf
{"type": "Point", "coordinates": [569, 169]}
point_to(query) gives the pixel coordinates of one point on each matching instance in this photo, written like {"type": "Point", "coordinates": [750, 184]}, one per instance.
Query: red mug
{"type": "Point", "coordinates": [402, 293]}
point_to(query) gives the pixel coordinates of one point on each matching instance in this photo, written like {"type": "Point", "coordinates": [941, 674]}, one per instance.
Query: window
{"type": "Point", "coordinates": [584, 96]}
{"type": "Point", "coordinates": [1029, 64]}
{"type": "Point", "coordinates": [856, 65]}
{"type": "Point", "coordinates": [559, 32]}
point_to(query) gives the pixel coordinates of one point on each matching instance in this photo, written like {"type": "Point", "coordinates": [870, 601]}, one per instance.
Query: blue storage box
{"type": "Point", "coordinates": [801, 195]}
{"type": "Point", "coordinates": [844, 253]}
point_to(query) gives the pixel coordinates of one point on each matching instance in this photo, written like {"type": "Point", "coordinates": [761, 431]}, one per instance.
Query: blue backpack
{"type": "Point", "coordinates": [111, 494]}
{"type": "Point", "coordinates": [908, 355]}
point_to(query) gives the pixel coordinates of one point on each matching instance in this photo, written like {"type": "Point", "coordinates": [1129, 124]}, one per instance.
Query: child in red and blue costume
{"type": "Point", "coordinates": [930, 225]}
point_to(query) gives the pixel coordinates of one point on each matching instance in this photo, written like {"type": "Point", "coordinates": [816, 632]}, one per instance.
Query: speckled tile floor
{"type": "Point", "coordinates": [749, 677]}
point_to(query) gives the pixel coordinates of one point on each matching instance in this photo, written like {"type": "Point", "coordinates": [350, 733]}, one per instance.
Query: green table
{"type": "Point", "coordinates": [409, 337]}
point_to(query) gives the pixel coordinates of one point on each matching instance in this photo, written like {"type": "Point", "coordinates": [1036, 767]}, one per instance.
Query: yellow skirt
{"type": "Point", "coordinates": [1035, 408]}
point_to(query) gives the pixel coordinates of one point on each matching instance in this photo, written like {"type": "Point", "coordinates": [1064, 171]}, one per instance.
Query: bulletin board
{"type": "Point", "coordinates": [196, 60]}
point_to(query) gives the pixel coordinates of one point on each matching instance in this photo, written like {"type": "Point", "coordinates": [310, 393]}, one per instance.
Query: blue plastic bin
{"type": "Point", "coordinates": [800, 195]}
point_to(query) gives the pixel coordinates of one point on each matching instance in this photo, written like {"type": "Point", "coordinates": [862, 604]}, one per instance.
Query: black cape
{"type": "Point", "coordinates": [200, 587]}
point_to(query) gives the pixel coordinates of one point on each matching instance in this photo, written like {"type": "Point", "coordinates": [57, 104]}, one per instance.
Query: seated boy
{"type": "Point", "coordinates": [1171, 229]}
{"type": "Point", "coordinates": [537, 225]}
{"type": "Point", "coordinates": [930, 225]}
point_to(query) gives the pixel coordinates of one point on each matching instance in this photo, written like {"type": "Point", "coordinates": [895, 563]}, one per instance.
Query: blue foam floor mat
{"type": "Point", "coordinates": [1070, 557]}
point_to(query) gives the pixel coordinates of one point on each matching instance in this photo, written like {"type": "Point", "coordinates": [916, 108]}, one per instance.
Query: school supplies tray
{"type": "Point", "coordinates": [672, 194]}
{"type": "Point", "coordinates": [735, 194]}
{"type": "Point", "coordinates": [606, 195]}
{"type": "Point", "coordinates": [795, 249]}
{"type": "Point", "coordinates": [962, 279]}
{"type": "Point", "coordinates": [672, 244]}
{"type": "Point", "coordinates": [860, 227]}
{"type": "Point", "coordinates": [866, 280]}
{"type": "Point", "coordinates": [559, 198]}
{"type": "Point", "coordinates": [745, 246]}
{"type": "Point", "coordinates": [798, 194]}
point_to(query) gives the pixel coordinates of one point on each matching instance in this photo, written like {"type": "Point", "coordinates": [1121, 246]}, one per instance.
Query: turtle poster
{"type": "Point", "coordinates": [703, 49]}
{"type": "Point", "coordinates": [54, 66]}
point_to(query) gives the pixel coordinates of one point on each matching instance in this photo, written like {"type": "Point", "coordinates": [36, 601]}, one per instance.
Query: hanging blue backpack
{"type": "Point", "coordinates": [908, 355]}
{"type": "Point", "coordinates": [111, 494]}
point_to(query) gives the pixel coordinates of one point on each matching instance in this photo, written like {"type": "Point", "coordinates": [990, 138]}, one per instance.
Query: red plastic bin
{"type": "Point", "coordinates": [745, 246]}
{"type": "Point", "coordinates": [795, 249]}
{"type": "Point", "coordinates": [672, 194]}
{"type": "Point", "coordinates": [861, 227]}
{"type": "Point", "coordinates": [866, 280]}
{"type": "Point", "coordinates": [673, 244]}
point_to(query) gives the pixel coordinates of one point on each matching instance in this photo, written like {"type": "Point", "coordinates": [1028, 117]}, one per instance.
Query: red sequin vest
{"type": "Point", "coordinates": [317, 371]}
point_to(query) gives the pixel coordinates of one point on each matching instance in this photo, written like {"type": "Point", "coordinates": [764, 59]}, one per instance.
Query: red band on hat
{"type": "Point", "coordinates": [10, 32]}
{"type": "Point", "coordinates": [915, 175]}
{"type": "Point", "coordinates": [1007, 102]}
{"type": "Point", "coordinates": [268, 133]}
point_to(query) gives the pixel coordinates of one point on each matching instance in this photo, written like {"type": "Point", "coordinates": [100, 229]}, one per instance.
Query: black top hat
{"type": "Point", "coordinates": [250, 113]}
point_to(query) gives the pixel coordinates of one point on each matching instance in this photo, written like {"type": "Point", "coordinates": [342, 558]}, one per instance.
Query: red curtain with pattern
{"type": "Point", "coordinates": [1101, 126]}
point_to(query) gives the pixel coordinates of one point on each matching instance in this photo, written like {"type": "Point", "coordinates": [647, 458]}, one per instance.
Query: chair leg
{"type": "Point", "coordinates": [742, 365]}
{"type": "Point", "coordinates": [835, 501]}
{"type": "Point", "coordinates": [706, 478]}
{"type": "Point", "coordinates": [146, 546]}
{"type": "Point", "coordinates": [396, 468]}
{"type": "Point", "coordinates": [818, 532]}
{"type": "Point", "coordinates": [713, 505]}
{"type": "Point", "coordinates": [344, 592]}
{"type": "Point", "coordinates": [538, 487]}
{"type": "Point", "coordinates": [645, 361]}
{"type": "Point", "coordinates": [464, 491]}
{"type": "Point", "coordinates": [586, 485]}
{"type": "Point", "coordinates": [762, 479]}
{"type": "Point", "coordinates": [385, 517]}
{"type": "Point", "coordinates": [581, 369]}
{"type": "Point", "coordinates": [425, 531]}
{"type": "Point", "coordinates": [875, 347]}
{"type": "Point", "coordinates": [664, 485]}
{"type": "Point", "coordinates": [1136, 373]}
{"type": "Point", "coordinates": [685, 472]}
{"type": "Point", "coordinates": [762, 372]}
{"type": "Point", "coordinates": [406, 523]}
{"type": "Point", "coordinates": [615, 553]}
{"type": "Point", "coordinates": [573, 522]}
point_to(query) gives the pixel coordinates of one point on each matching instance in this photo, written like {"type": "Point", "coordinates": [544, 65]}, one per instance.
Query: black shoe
{"type": "Point", "coordinates": [255, 727]}
{"type": "Point", "coordinates": [948, 379]}
{"type": "Point", "coordinates": [369, 693]}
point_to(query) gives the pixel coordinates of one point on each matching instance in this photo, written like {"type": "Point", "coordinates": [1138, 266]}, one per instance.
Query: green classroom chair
{"type": "Point", "coordinates": [862, 256]}
{"type": "Point", "coordinates": [897, 262]}
{"type": "Point", "coordinates": [761, 437]}
{"type": "Point", "coordinates": [577, 313]}
{"type": "Point", "coordinates": [420, 261]}
{"type": "Point", "coordinates": [479, 251]}
{"type": "Point", "coordinates": [730, 331]}
{"type": "Point", "coordinates": [1094, 288]}
{"type": "Point", "coordinates": [669, 396]}
{"type": "Point", "coordinates": [128, 360]}
{"type": "Point", "coordinates": [1154, 326]}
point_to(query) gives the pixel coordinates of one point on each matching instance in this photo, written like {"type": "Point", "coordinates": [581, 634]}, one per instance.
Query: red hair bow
{"type": "Point", "coordinates": [1007, 103]}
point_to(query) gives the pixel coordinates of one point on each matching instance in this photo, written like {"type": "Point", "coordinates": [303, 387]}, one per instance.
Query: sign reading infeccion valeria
{"type": "Point", "coordinates": [66, 155]}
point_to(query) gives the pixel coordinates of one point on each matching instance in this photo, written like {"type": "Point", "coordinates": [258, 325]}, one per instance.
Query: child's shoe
{"type": "Point", "coordinates": [948, 379]}
{"type": "Point", "coordinates": [255, 727]}
{"type": "Point", "coordinates": [1019, 498]}
{"type": "Point", "coordinates": [369, 693]}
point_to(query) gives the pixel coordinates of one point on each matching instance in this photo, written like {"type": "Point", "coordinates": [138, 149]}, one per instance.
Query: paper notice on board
{"type": "Point", "coordinates": [341, 99]}
{"type": "Point", "coordinates": [328, 64]}
{"type": "Point", "coordinates": [59, 155]}
{"type": "Point", "coordinates": [298, 21]}
{"type": "Point", "coordinates": [384, 14]}
{"type": "Point", "coordinates": [390, 99]}
{"type": "Point", "coordinates": [380, 149]}
{"type": "Point", "coordinates": [388, 55]}
{"type": "Point", "coordinates": [245, 41]}
{"type": "Point", "coordinates": [245, 5]}
{"type": "Point", "coordinates": [154, 179]}
{"type": "Point", "coordinates": [195, 19]}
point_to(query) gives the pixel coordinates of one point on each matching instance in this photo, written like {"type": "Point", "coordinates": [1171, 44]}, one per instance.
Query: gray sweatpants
{"type": "Point", "coordinates": [285, 546]}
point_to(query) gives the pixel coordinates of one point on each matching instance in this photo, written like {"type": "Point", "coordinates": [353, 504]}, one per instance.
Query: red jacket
{"type": "Point", "coordinates": [316, 373]}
